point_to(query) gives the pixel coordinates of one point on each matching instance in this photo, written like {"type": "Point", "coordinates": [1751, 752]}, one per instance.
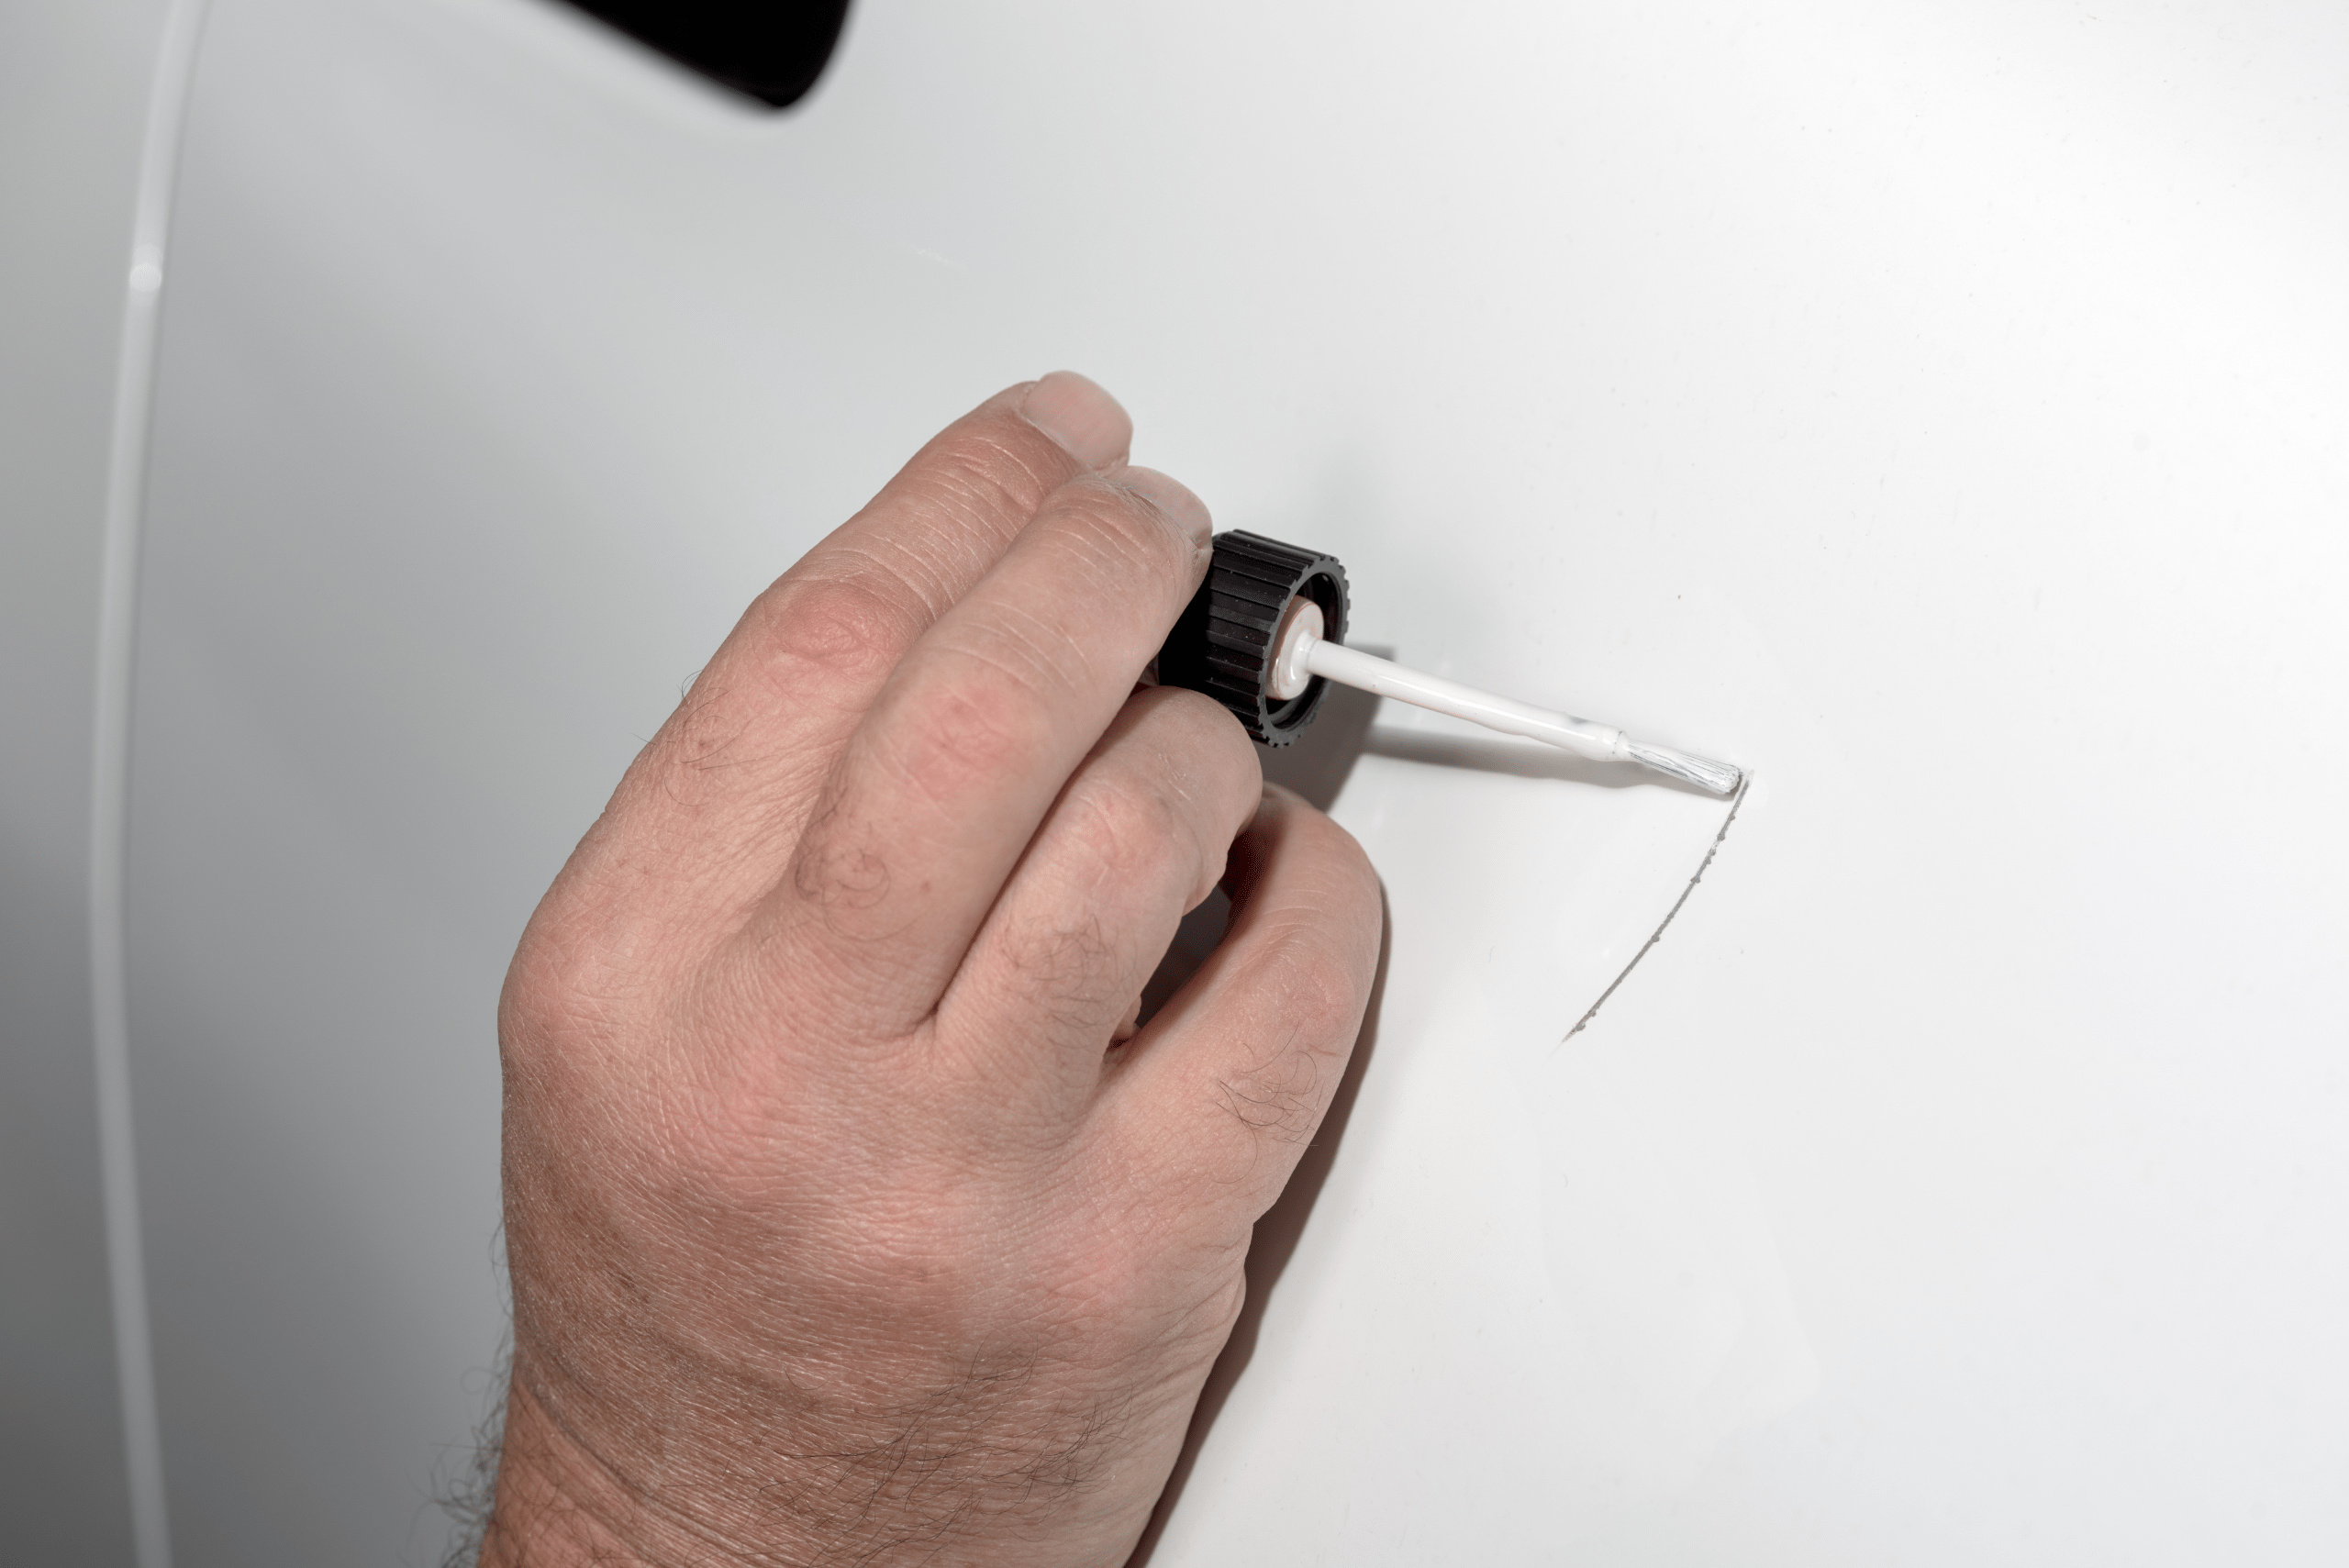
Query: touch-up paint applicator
{"type": "Point", "coordinates": [1264, 636]}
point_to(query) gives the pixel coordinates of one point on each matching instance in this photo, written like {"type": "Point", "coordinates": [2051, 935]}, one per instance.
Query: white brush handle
{"type": "Point", "coordinates": [1367, 672]}
{"type": "Point", "coordinates": [1302, 653]}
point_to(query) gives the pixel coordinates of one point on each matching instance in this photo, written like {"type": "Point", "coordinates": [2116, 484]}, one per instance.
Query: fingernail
{"type": "Point", "coordinates": [1086, 420]}
{"type": "Point", "coordinates": [1172, 499]}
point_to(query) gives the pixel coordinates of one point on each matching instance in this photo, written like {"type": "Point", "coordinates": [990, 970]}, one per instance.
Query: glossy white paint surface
{"type": "Point", "coordinates": [1938, 410]}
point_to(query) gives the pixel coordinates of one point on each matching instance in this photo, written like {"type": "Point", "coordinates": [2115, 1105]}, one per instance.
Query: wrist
{"type": "Point", "coordinates": [561, 1503]}
{"type": "Point", "coordinates": [687, 1478]}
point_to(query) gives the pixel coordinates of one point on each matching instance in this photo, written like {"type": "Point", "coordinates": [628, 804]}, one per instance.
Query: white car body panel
{"type": "Point", "coordinates": [1939, 411]}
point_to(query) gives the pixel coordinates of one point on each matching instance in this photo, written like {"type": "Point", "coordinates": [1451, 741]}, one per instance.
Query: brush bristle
{"type": "Point", "coordinates": [1718, 777]}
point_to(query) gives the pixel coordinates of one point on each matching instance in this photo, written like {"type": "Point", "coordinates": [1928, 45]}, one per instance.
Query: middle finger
{"type": "Point", "coordinates": [1134, 843]}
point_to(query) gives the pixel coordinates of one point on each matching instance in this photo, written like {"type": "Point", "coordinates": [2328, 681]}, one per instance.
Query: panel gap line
{"type": "Point", "coordinates": [109, 900]}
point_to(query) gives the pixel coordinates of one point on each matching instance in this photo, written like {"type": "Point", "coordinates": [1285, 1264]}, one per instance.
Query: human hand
{"type": "Point", "coordinates": [843, 1222]}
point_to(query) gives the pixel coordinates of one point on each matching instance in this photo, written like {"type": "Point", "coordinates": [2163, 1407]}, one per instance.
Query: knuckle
{"type": "Point", "coordinates": [837, 873]}
{"type": "Point", "coordinates": [1277, 1096]}
{"type": "Point", "coordinates": [1060, 970]}
{"type": "Point", "coordinates": [1325, 993]}
{"type": "Point", "coordinates": [1062, 955]}
{"type": "Point", "coordinates": [1126, 827]}
{"type": "Point", "coordinates": [831, 626]}
{"type": "Point", "coordinates": [564, 990]}
{"type": "Point", "coordinates": [801, 640]}
{"type": "Point", "coordinates": [1309, 978]}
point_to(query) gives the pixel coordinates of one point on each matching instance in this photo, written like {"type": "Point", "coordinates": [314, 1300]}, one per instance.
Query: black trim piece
{"type": "Point", "coordinates": [769, 50]}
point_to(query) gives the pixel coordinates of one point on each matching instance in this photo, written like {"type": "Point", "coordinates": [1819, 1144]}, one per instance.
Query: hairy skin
{"type": "Point", "coordinates": [849, 1220]}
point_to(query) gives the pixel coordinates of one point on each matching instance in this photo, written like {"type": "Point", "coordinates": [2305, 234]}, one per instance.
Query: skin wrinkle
{"type": "Point", "coordinates": [924, 583]}
{"type": "Point", "coordinates": [1041, 638]}
{"type": "Point", "coordinates": [531, 1387]}
{"type": "Point", "coordinates": [1062, 1468]}
{"type": "Point", "coordinates": [949, 1432]}
{"type": "Point", "coordinates": [971, 471]}
{"type": "Point", "coordinates": [1134, 525]}
{"type": "Point", "coordinates": [832, 1398]}
{"type": "Point", "coordinates": [936, 581]}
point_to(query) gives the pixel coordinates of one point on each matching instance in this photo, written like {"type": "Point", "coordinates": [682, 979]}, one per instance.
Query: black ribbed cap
{"type": "Point", "coordinates": [1223, 644]}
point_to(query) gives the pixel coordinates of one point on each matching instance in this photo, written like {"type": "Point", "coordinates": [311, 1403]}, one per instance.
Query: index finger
{"type": "Point", "coordinates": [718, 796]}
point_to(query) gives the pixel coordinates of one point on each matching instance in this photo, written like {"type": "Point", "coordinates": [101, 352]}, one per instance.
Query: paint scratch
{"type": "Point", "coordinates": [1715, 848]}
